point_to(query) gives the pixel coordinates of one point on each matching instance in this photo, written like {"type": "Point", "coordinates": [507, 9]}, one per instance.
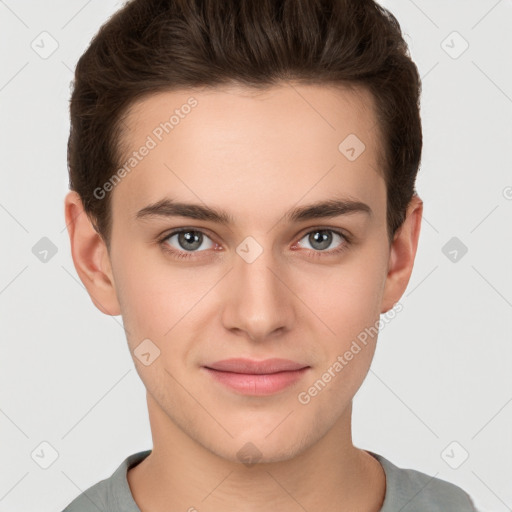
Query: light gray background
{"type": "Point", "coordinates": [442, 371]}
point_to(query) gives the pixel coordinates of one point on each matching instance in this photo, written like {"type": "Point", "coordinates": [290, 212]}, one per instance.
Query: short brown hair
{"type": "Point", "coordinates": [151, 46]}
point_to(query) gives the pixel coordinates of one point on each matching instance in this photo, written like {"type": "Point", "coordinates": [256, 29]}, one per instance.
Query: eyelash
{"type": "Point", "coordinates": [183, 255]}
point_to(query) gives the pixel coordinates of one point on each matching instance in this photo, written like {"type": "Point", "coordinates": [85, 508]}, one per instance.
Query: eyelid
{"type": "Point", "coordinates": [340, 231]}
{"type": "Point", "coordinates": [177, 231]}
{"type": "Point", "coordinates": [207, 232]}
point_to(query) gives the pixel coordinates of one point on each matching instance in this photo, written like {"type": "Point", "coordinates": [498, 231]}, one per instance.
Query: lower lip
{"type": "Point", "coordinates": [258, 385]}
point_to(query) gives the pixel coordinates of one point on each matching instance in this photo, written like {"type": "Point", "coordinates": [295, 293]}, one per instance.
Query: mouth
{"type": "Point", "coordinates": [257, 378]}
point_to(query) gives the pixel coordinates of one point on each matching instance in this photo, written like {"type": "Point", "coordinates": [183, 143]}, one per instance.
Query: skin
{"type": "Point", "coordinates": [255, 155]}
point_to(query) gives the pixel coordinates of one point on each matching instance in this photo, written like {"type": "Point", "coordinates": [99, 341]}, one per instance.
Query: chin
{"type": "Point", "coordinates": [251, 451]}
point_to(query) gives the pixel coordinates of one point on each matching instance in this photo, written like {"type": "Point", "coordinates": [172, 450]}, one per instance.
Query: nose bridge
{"type": "Point", "coordinates": [258, 301]}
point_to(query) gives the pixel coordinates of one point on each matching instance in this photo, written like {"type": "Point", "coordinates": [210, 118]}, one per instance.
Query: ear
{"type": "Point", "coordinates": [402, 254]}
{"type": "Point", "coordinates": [90, 256]}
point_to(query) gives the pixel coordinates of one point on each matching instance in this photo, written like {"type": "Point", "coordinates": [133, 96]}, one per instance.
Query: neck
{"type": "Point", "coordinates": [180, 471]}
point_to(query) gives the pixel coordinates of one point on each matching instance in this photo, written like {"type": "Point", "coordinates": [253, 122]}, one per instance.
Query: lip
{"type": "Point", "coordinates": [251, 366]}
{"type": "Point", "coordinates": [258, 378]}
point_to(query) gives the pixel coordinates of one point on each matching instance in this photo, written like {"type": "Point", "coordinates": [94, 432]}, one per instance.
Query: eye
{"type": "Point", "coordinates": [188, 240]}
{"type": "Point", "coordinates": [183, 243]}
{"type": "Point", "coordinates": [320, 240]}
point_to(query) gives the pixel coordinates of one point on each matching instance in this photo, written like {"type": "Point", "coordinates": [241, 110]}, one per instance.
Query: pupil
{"type": "Point", "coordinates": [324, 239]}
{"type": "Point", "coordinates": [188, 237]}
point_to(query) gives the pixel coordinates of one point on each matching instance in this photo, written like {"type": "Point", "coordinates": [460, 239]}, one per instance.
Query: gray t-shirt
{"type": "Point", "coordinates": [407, 490]}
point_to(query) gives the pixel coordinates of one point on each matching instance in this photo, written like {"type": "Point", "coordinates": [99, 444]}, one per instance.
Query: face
{"type": "Point", "coordinates": [269, 276]}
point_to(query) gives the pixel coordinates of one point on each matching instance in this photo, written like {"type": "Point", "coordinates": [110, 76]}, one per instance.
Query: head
{"type": "Point", "coordinates": [235, 117]}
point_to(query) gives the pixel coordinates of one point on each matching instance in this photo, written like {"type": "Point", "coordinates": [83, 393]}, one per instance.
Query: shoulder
{"type": "Point", "coordinates": [409, 490]}
{"type": "Point", "coordinates": [111, 494]}
{"type": "Point", "coordinates": [91, 500]}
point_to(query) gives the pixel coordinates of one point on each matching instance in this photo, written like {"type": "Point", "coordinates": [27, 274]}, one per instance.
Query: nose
{"type": "Point", "coordinates": [258, 300]}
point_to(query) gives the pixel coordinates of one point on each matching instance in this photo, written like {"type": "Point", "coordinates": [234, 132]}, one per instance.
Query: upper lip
{"type": "Point", "coordinates": [251, 366]}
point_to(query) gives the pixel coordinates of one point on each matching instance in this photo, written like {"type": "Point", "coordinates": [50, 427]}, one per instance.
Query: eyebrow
{"type": "Point", "coordinates": [168, 207]}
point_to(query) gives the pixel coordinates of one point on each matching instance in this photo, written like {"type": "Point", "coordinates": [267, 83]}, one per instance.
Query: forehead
{"type": "Point", "coordinates": [250, 145]}
{"type": "Point", "coordinates": [319, 108]}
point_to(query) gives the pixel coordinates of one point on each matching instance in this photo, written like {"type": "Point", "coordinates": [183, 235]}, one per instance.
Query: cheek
{"type": "Point", "coordinates": [349, 307]}
{"type": "Point", "coordinates": [144, 296]}
{"type": "Point", "coordinates": [157, 299]}
{"type": "Point", "coordinates": [347, 300]}
{"type": "Point", "coordinates": [155, 296]}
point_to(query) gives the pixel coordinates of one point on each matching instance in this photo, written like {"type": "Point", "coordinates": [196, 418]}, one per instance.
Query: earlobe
{"type": "Point", "coordinates": [402, 255]}
{"type": "Point", "coordinates": [90, 256]}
